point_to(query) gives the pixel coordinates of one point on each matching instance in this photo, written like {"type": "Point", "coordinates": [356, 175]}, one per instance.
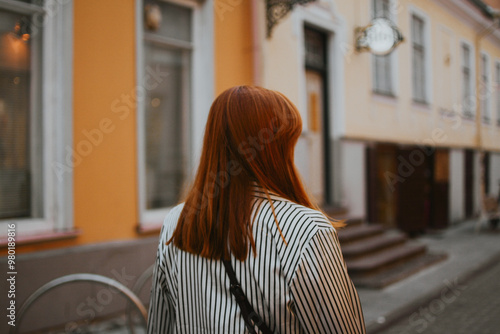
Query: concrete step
{"type": "Point", "coordinates": [398, 273]}
{"type": "Point", "coordinates": [373, 244]}
{"type": "Point", "coordinates": [384, 259]}
{"type": "Point", "coordinates": [351, 222]}
{"type": "Point", "coordinates": [358, 232]}
{"type": "Point", "coordinates": [335, 211]}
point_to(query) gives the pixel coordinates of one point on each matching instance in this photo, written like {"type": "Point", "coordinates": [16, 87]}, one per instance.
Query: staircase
{"type": "Point", "coordinates": [377, 257]}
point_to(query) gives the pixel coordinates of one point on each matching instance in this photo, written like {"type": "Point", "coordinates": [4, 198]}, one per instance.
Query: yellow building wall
{"type": "Point", "coordinates": [233, 44]}
{"type": "Point", "coordinates": [373, 117]}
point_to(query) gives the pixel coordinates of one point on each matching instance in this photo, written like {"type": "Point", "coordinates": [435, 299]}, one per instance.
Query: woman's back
{"type": "Point", "coordinates": [300, 286]}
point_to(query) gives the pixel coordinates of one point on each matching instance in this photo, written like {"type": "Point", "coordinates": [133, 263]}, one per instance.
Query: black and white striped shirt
{"type": "Point", "coordinates": [302, 287]}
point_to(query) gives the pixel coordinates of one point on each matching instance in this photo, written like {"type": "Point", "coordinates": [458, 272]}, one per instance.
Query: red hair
{"type": "Point", "coordinates": [249, 137]}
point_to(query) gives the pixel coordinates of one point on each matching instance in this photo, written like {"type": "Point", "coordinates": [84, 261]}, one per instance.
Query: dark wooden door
{"type": "Point", "coordinates": [371, 183]}
{"type": "Point", "coordinates": [414, 202]}
{"type": "Point", "coordinates": [440, 189]}
{"type": "Point", "coordinates": [319, 149]}
{"type": "Point", "coordinates": [381, 192]}
{"type": "Point", "coordinates": [487, 173]}
{"type": "Point", "coordinates": [387, 189]}
{"type": "Point", "coordinates": [469, 183]}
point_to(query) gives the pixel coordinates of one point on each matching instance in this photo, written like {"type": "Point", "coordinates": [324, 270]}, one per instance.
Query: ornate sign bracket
{"type": "Point", "coordinates": [276, 10]}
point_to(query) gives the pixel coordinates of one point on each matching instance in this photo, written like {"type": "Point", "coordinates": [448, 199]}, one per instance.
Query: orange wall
{"type": "Point", "coordinates": [233, 44]}
{"type": "Point", "coordinates": [105, 190]}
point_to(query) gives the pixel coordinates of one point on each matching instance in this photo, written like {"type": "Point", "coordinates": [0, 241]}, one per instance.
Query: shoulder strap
{"type": "Point", "coordinates": [251, 317]}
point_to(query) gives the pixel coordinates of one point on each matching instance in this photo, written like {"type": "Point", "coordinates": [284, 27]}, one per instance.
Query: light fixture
{"type": "Point", "coordinates": [21, 30]}
{"type": "Point", "coordinates": [152, 17]}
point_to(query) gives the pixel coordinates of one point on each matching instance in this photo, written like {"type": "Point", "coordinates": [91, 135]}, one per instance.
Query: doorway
{"type": "Point", "coordinates": [408, 187]}
{"type": "Point", "coordinates": [317, 130]}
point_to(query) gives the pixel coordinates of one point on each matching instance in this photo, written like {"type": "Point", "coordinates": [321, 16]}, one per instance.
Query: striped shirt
{"type": "Point", "coordinates": [302, 287]}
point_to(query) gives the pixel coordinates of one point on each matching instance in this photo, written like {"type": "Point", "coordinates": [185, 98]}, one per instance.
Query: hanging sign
{"type": "Point", "coordinates": [380, 37]}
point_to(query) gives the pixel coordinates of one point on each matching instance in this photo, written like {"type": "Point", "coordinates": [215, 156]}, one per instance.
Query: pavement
{"type": "Point", "coordinates": [418, 299]}
{"type": "Point", "coordinates": [473, 308]}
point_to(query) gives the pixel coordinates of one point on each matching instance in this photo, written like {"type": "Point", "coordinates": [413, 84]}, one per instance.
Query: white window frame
{"type": "Point", "coordinates": [393, 56]}
{"type": "Point", "coordinates": [486, 113]}
{"type": "Point", "coordinates": [472, 79]}
{"type": "Point", "coordinates": [202, 95]}
{"type": "Point", "coordinates": [56, 96]}
{"type": "Point", "coordinates": [412, 10]}
{"type": "Point", "coordinates": [496, 118]}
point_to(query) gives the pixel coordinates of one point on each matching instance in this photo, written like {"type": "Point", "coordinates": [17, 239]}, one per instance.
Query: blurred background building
{"type": "Point", "coordinates": [103, 106]}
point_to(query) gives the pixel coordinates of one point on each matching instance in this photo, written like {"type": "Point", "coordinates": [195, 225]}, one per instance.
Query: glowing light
{"type": "Point", "coordinates": [155, 102]}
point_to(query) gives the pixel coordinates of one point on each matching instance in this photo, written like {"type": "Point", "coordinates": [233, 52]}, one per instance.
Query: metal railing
{"type": "Point", "coordinates": [92, 278]}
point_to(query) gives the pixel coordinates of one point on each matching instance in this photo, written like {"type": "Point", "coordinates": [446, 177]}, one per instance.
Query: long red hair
{"type": "Point", "coordinates": [249, 137]}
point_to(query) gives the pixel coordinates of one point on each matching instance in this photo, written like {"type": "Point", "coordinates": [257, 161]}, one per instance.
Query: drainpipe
{"type": "Point", "coordinates": [493, 14]}
{"type": "Point", "coordinates": [257, 40]}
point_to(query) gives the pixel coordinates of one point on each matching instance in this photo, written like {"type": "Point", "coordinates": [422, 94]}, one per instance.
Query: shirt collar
{"type": "Point", "coordinates": [259, 191]}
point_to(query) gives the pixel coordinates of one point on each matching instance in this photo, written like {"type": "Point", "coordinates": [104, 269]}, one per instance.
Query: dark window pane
{"type": "Point", "coordinates": [498, 92]}
{"type": "Point", "coordinates": [382, 78]}
{"type": "Point", "coordinates": [315, 51]}
{"type": "Point", "coordinates": [165, 113]}
{"type": "Point", "coordinates": [381, 9]}
{"type": "Point", "coordinates": [419, 60]}
{"type": "Point", "coordinates": [15, 77]}
{"type": "Point", "coordinates": [175, 22]}
{"type": "Point", "coordinates": [33, 2]}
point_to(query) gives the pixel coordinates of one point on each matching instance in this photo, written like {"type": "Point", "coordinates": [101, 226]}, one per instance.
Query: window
{"type": "Point", "coordinates": [419, 59]}
{"type": "Point", "coordinates": [35, 115]}
{"type": "Point", "coordinates": [467, 93]}
{"type": "Point", "coordinates": [497, 79]}
{"type": "Point", "coordinates": [19, 126]}
{"type": "Point", "coordinates": [175, 72]}
{"type": "Point", "coordinates": [484, 89]}
{"type": "Point", "coordinates": [382, 65]}
{"type": "Point", "coordinates": [167, 50]}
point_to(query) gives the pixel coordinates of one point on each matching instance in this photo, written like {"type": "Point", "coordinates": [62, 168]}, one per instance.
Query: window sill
{"type": "Point", "coordinates": [389, 95]}
{"type": "Point", "coordinates": [152, 220]}
{"type": "Point", "coordinates": [469, 117]}
{"type": "Point", "coordinates": [421, 106]}
{"type": "Point", "coordinates": [40, 238]}
{"type": "Point", "coordinates": [384, 97]}
{"type": "Point", "coordinates": [145, 229]}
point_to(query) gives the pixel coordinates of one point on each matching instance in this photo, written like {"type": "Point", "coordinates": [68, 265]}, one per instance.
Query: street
{"type": "Point", "coordinates": [473, 308]}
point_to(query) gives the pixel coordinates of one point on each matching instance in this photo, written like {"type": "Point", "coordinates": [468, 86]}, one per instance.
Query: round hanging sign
{"type": "Point", "coordinates": [380, 37]}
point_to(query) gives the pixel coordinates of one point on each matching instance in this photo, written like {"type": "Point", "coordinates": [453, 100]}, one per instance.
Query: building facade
{"type": "Point", "coordinates": [400, 133]}
{"type": "Point", "coordinates": [103, 106]}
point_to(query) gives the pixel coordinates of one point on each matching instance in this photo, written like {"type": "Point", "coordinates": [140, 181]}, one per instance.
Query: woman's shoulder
{"type": "Point", "coordinates": [291, 214]}
{"type": "Point", "coordinates": [297, 226]}
{"type": "Point", "coordinates": [170, 221]}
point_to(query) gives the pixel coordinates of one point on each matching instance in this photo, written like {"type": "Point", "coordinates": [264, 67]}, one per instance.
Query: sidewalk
{"type": "Point", "coordinates": [468, 253]}
{"type": "Point", "coordinates": [473, 309]}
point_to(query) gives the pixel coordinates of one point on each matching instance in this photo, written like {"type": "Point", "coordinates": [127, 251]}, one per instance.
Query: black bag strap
{"type": "Point", "coordinates": [251, 317]}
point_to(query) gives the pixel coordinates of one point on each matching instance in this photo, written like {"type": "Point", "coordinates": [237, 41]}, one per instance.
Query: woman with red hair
{"type": "Point", "coordinates": [247, 250]}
